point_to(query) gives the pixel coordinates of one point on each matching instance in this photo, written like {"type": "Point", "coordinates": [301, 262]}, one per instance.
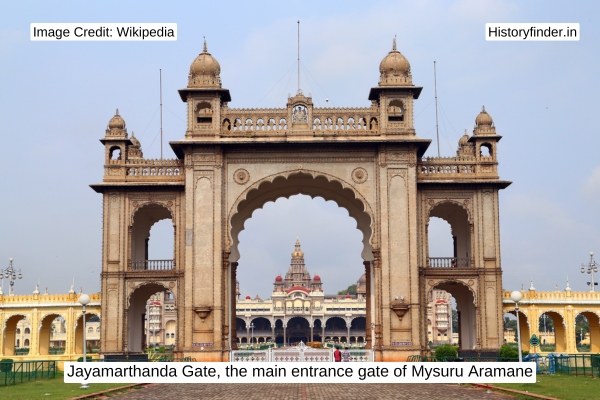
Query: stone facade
{"type": "Point", "coordinates": [368, 159]}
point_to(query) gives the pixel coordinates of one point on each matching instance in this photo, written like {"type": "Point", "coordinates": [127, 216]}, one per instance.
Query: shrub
{"type": "Point", "coordinates": [445, 350]}
{"type": "Point", "coordinates": [87, 358]}
{"type": "Point", "coordinates": [162, 349]}
{"type": "Point", "coordinates": [6, 364]}
{"type": "Point", "coordinates": [506, 351]}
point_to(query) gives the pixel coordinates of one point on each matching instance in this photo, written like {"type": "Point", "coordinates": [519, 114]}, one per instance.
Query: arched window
{"type": "Point", "coordinates": [18, 331]}
{"type": "Point", "coordinates": [90, 330]}
{"type": "Point", "coordinates": [26, 343]}
{"type": "Point", "coordinates": [98, 330]}
{"type": "Point", "coordinates": [27, 331]}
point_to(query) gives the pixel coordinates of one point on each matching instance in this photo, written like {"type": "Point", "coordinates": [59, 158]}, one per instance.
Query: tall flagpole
{"type": "Point", "coordinates": [298, 55]}
{"type": "Point", "coordinates": [436, 110]}
{"type": "Point", "coordinates": [161, 132]}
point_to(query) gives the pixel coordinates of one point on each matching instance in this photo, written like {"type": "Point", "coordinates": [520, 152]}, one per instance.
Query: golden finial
{"type": "Point", "coordinates": [394, 46]}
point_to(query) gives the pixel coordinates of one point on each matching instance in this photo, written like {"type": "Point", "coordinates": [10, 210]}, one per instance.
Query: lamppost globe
{"type": "Point", "coordinates": [11, 259]}
{"type": "Point", "coordinates": [589, 271]}
{"type": "Point", "coordinates": [583, 270]}
{"type": "Point", "coordinates": [84, 299]}
{"type": "Point", "coordinates": [516, 296]}
{"type": "Point", "coordinates": [20, 276]}
{"type": "Point", "coordinates": [591, 254]}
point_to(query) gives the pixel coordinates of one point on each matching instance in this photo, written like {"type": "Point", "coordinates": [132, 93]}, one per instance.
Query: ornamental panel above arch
{"type": "Point", "coordinates": [553, 310]}
{"type": "Point", "coordinates": [433, 199]}
{"type": "Point", "coordinates": [137, 202]}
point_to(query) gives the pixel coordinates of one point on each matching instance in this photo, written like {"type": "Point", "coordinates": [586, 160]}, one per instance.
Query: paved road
{"type": "Point", "coordinates": [308, 391]}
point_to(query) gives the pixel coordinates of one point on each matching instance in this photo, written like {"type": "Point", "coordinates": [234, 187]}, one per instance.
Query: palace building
{"type": "Point", "coordinates": [299, 310]}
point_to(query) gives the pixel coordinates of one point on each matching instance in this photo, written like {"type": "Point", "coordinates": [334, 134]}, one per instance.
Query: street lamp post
{"type": "Point", "coordinates": [84, 299]}
{"type": "Point", "coordinates": [592, 267]}
{"type": "Point", "coordinates": [516, 296]}
{"type": "Point", "coordinates": [12, 274]}
{"type": "Point", "coordinates": [252, 337]}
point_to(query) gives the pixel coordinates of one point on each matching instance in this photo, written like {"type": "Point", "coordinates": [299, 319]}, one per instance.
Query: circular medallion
{"type": "Point", "coordinates": [359, 175]}
{"type": "Point", "coordinates": [471, 282]}
{"type": "Point", "coordinates": [131, 285]}
{"type": "Point", "coordinates": [241, 176]}
{"type": "Point", "coordinates": [430, 283]}
{"type": "Point", "coordinates": [172, 285]}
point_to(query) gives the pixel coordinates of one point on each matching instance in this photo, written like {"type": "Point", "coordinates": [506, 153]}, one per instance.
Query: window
{"type": "Point", "coordinates": [18, 333]}
{"type": "Point", "coordinates": [27, 331]}
{"type": "Point", "coordinates": [90, 330]}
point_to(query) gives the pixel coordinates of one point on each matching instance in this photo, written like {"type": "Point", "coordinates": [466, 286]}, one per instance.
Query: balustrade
{"type": "Point", "coordinates": [151, 265]}
{"type": "Point", "coordinates": [448, 262]}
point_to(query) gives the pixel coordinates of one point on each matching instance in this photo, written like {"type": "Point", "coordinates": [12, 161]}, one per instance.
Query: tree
{"type": "Point", "coordinates": [351, 290]}
{"type": "Point", "coordinates": [454, 321]}
{"type": "Point", "coordinates": [549, 323]}
{"type": "Point", "coordinates": [581, 325]}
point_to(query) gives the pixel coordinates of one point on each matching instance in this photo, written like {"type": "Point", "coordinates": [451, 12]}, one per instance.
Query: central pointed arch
{"type": "Point", "coordinates": [311, 183]}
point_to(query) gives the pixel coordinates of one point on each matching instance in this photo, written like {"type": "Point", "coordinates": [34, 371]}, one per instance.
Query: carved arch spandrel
{"type": "Point", "coordinates": [366, 207]}
{"type": "Point", "coordinates": [433, 283]}
{"type": "Point", "coordinates": [138, 204]}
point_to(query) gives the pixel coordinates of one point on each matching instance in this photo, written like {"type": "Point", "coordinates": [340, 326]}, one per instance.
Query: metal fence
{"type": "Point", "coordinates": [418, 358]}
{"type": "Point", "coordinates": [577, 364]}
{"type": "Point", "coordinates": [300, 353]}
{"type": "Point", "coordinates": [13, 372]}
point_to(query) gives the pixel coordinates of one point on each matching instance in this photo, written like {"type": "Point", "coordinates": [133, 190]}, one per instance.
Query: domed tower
{"type": "Point", "coordinates": [116, 140]}
{"type": "Point", "coordinates": [204, 95]}
{"type": "Point", "coordinates": [465, 148]}
{"type": "Point", "coordinates": [485, 140]}
{"type": "Point", "coordinates": [135, 150]}
{"type": "Point", "coordinates": [395, 94]}
{"type": "Point", "coordinates": [361, 287]}
{"type": "Point", "coordinates": [297, 275]}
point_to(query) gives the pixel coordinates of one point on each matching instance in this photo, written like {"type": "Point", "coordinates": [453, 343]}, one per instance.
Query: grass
{"type": "Point", "coordinates": [558, 386]}
{"type": "Point", "coordinates": [57, 389]}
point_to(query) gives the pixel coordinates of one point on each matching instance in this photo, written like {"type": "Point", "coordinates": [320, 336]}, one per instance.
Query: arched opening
{"type": "Point", "coordinates": [52, 328]}
{"type": "Point", "coordinates": [149, 219]}
{"type": "Point", "coordinates": [547, 335]}
{"type": "Point", "coordinates": [460, 232]}
{"type": "Point", "coordinates": [466, 314]}
{"type": "Point", "coordinates": [114, 153]}
{"type": "Point", "coordinates": [524, 330]}
{"type": "Point", "coordinates": [170, 329]}
{"type": "Point", "coordinates": [510, 329]}
{"type": "Point", "coordinates": [144, 317]}
{"type": "Point", "coordinates": [558, 325]}
{"type": "Point", "coordinates": [358, 327]}
{"type": "Point", "coordinates": [317, 331]}
{"type": "Point", "coordinates": [587, 332]}
{"type": "Point", "coordinates": [325, 192]}
{"type": "Point", "coordinates": [26, 343]}
{"type": "Point", "coordinates": [485, 150]}
{"type": "Point", "coordinates": [395, 111]}
{"type": "Point", "coordinates": [297, 330]}
{"type": "Point", "coordinates": [79, 334]}
{"type": "Point", "coordinates": [203, 113]}
{"type": "Point", "coordinates": [440, 311]}
{"type": "Point", "coordinates": [262, 327]}
{"type": "Point", "coordinates": [10, 334]}
{"type": "Point", "coordinates": [336, 326]}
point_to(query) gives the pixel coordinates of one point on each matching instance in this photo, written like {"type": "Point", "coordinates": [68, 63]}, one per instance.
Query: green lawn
{"type": "Point", "coordinates": [57, 389]}
{"type": "Point", "coordinates": [559, 386]}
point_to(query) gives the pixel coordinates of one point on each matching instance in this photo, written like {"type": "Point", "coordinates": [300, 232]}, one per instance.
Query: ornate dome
{"type": "Point", "coordinates": [348, 296]}
{"type": "Point", "coordinates": [317, 278]}
{"type": "Point", "coordinates": [135, 149]}
{"type": "Point", "coordinates": [297, 253]}
{"type": "Point", "coordinates": [484, 118]}
{"type": "Point", "coordinates": [248, 298]}
{"type": "Point", "coordinates": [278, 279]}
{"type": "Point", "coordinates": [204, 65]}
{"type": "Point", "coordinates": [394, 63]}
{"type": "Point", "coordinates": [363, 279]}
{"type": "Point", "coordinates": [463, 140]}
{"type": "Point", "coordinates": [116, 122]}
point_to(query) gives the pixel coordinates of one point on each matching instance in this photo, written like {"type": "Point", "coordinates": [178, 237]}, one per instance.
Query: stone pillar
{"type": "Point", "coordinates": [368, 338]}
{"type": "Point", "coordinates": [378, 301]}
{"type": "Point", "coordinates": [247, 334]}
{"type": "Point", "coordinates": [225, 303]}
{"type": "Point", "coordinates": [348, 340]}
{"type": "Point", "coordinates": [323, 332]}
{"type": "Point", "coordinates": [311, 333]}
{"type": "Point", "coordinates": [233, 324]}
{"type": "Point", "coordinates": [284, 336]}
{"type": "Point", "coordinates": [273, 331]}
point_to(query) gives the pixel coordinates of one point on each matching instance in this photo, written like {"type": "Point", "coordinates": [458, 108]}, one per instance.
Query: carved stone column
{"type": "Point", "coordinates": [233, 324]}
{"type": "Point", "coordinates": [225, 302]}
{"type": "Point", "coordinates": [378, 300]}
{"type": "Point", "coordinates": [368, 338]}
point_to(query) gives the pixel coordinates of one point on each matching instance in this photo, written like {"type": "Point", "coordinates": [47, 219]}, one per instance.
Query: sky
{"type": "Point", "coordinates": [57, 97]}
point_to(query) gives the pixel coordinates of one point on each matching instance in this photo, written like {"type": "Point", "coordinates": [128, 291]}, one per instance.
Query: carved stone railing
{"type": "Point", "coordinates": [145, 170]}
{"type": "Point", "coordinates": [320, 121]}
{"type": "Point", "coordinates": [448, 262]}
{"type": "Point", "coordinates": [457, 168]}
{"type": "Point", "coordinates": [151, 265]}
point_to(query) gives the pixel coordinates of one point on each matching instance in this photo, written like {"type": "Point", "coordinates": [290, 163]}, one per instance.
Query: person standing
{"type": "Point", "coordinates": [337, 354]}
{"type": "Point", "coordinates": [346, 355]}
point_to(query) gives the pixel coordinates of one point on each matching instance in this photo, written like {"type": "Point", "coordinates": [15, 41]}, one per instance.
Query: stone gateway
{"type": "Point", "coordinates": [368, 160]}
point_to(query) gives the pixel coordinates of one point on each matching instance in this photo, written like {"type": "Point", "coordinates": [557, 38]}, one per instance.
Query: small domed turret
{"type": "Point", "coordinates": [116, 122]}
{"type": "Point", "coordinates": [205, 70]}
{"type": "Point", "coordinates": [278, 279]}
{"type": "Point", "coordinates": [394, 69]}
{"type": "Point", "coordinates": [135, 150]}
{"type": "Point", "coordinates": [484, 124]}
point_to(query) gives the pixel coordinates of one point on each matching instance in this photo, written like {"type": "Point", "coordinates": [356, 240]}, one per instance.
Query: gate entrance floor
{"type": "Point", "coordinates": [308, 391]}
